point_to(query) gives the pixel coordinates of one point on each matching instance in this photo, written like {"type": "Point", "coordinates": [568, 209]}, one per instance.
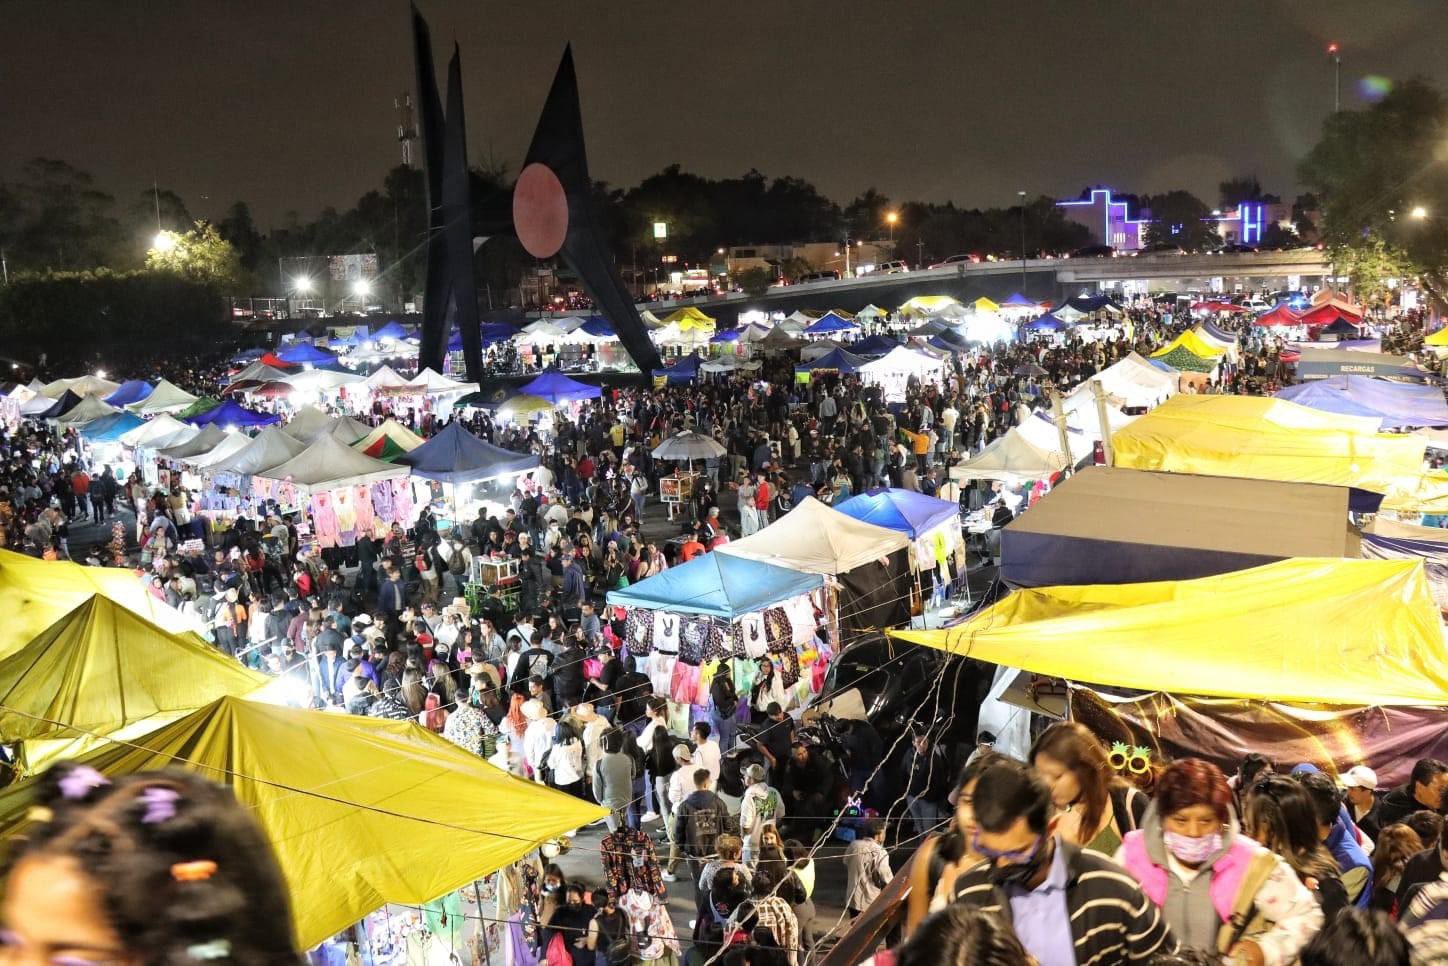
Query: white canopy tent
{"type": "Point", "coordinates": [329, 464]}
{"type": "Point", "coordinates": [269, 447]}
{"type": "Point", "coordinates": [384, 378]}
{"type": "Point", "coordinates": [234, 443]}
{"type": "Point", "coordinates": [260, 372]}
{"type": "Point", "coordinates": [167, 397]}
{"type": "Point", "coordinates": [673, 335]}
{"type": "Point", "coordinates": [323, 380]}
{"type": "Point", "coordinates": [349, 430]}
{"type": "Point", "coordinates": [89, 408]}
{"type": "Point", "coordinates": [208, 439]}
{"type": "Point", "coordinates": [1133, 380]}
{"type": "Point", "coordinates": [818, 539]}
{"type": "Point", "coordinates": [88, 385]}
{"type": "Point", "coordinates": [158, 433]}
{"type": "Point", "coordinates": [892, 371]}
{"type": "Point", "coordinates": [1013, 458]}
{"type": "Point", "coordinates": [308, 424]}
{"type": "Point", "coordinates": [433, 383]}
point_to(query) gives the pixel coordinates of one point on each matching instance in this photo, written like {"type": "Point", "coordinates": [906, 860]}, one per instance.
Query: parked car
{"type": "Point", "coordinates": [891, 268]}
{"type": "Point", "coordinates": [957, 260]}
{"type": "Point", "coordinates": [830, 276]}
{"type": "Point", "coordinates": [1094, 251]}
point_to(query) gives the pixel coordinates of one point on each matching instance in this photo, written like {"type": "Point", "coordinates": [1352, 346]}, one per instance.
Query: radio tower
{"type": "Point", "coordinates": [406, 127]}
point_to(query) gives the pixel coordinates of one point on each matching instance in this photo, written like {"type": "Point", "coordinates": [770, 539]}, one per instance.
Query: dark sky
{"type": "Point", "coordinates": [288, 103]}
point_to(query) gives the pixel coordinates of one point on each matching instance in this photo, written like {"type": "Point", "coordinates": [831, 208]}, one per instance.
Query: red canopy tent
{"type": "Point", "coordinates": [1328, 314]}
{"type": "Point", "coordinates": [1282, 315]}
{"type": "Point", "coordinates": [272, 359]}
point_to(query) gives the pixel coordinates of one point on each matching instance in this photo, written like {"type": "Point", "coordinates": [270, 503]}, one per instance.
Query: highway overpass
{"type": "Point", "coordinates": [1044, 278]}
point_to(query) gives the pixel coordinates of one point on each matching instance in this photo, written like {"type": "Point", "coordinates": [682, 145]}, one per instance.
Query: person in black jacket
{"type": "Point", "coordinates": [926, 777]}
{"type": "Point", "coordinates": [1424, 789]}
{"type": "Point", "coordinates": [1425, 867]}
{"type": "Point", "coordinates": [807, 780]}
{"type": "Point", "coordinates": [723, 706]}
{"type": "Point", "coordinates": [568, 674]}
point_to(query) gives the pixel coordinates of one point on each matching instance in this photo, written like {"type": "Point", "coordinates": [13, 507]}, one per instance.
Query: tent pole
{"type": "Point", "coordinates": [1058, 415]}
{"type": "Point", "coordinates": [1100, 394]}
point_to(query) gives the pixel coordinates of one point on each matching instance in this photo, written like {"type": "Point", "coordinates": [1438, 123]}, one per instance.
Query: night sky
{"type": "Point", "coordinates": [287, 104]}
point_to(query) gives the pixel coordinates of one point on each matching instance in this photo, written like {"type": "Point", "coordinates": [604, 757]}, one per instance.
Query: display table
{"type": "Point", "coordinates": [677, 489]}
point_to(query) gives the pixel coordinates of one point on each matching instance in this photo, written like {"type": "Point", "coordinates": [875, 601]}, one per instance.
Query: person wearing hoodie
{"type": "Point", "coordinates": [761, 805]}
{"type": "Point", "coordinates": [1193, 861]}
{"type": "Point", "coordinates": [699, 820]}
{"type": "Point", "coordinates": [1424, 789]}
{"type": "Point", "coordinates": [1338, 834]}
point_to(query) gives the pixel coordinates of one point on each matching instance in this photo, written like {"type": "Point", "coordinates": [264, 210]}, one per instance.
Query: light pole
{"type": "Point", "coordinates": [890, 219]}
{"type": "Point", "coordinates": [847, 255]}
{"type": "Point", "coordinates": [1022, 196]}
{"type": "Point", "coordinates": [1334, 54]}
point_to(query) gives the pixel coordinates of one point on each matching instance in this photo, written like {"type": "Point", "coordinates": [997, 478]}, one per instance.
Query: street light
{"type": "Point", "coordinates": [164, 241]}
{"type": "Point", "coordinates": [302, 284]}
{"type": "Point", "coordinates": [890, 218]}
{"type": "Point", "coordinates": [1418, 213]}
{"type": "Point", "coordinates": [362, 287]}
{"type": "Point", "coordinates": [1334, 54]}
{"type": "Point", "coordinates": [1021, 195]}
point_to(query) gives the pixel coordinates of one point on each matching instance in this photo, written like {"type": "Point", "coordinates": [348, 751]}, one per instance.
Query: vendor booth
{"type": "Point", "coordinates": [345, 492]}
{"type": "Point", "coordinates": [1396, 404]}
{"type": "Point", "coordinates": [868, 562]}
{"type": "Point", "coordinates": [894, 371]}
{"type": "Point", "coordinates": [388, 441]}
{"type": "Point", "coordinates": [932, 525]}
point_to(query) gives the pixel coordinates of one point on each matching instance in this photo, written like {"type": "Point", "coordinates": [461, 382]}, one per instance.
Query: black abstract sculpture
{"type": "Point", "coordinates": [451, 292]}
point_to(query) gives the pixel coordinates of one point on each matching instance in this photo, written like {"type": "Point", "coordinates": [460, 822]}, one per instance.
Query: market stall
{"type": "Point", "coordinates": [894, 371]}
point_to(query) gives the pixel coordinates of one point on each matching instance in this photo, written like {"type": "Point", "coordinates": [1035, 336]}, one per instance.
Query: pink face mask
{"type": "Point", "coordinates": [1190, 850]}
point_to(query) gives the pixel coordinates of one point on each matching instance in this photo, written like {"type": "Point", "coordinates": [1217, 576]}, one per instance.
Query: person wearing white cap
{"type": "Point", "coordinates": [1361, 783]}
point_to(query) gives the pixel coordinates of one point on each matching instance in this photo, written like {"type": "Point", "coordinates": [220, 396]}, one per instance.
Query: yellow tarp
{"type": "Point", "coordinates": [360, 811]}
{"type": "Point", "coordinates": [1316, 630]}
{"type": "Point", "coordinates": [1426, 493]}
{"type": "Point", "coordinates": [102, 669]}
{"type": "Point", "coordinates": [1194, 344]}
{"type": "Point", "coordinates": [927, 304]}
{"type": "Point", "coordinates": [689, 318]}
{"type": "Point", "coordinates": [1259, 438]}
{"type": "Point", "coordinates": [984, 304]}
{"type": "Point", "coordinates": [1438, 338]}
{"type": "Point", "coordinates": [34, 594]}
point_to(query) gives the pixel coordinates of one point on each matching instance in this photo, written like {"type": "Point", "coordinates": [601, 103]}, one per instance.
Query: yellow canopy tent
{"type": "Point", "coordinates": [34, 594]}
{"type": "Point", "coordinates": [1266, 439]}
{"type": "Point", "coordinates": [102, 669]}
{"type": "Point", "coordinates": [927, 304]}
{"type": "Point", "coordinates": [1308, 629]}
{"type": "Point", "coordinates": [1439, 338]}
{"type": "Point", "coordinates": [984, 304]}
{"type": "Point", "coordinates": [361, 812]}
{"type": "Point", "coordinates": [1194, 344]}
{"type": "Point", "coordinates": [689, 318]}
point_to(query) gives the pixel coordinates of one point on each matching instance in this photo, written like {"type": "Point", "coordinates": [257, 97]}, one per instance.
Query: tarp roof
{"type": "Point", "coordinates": [271, 446]}
{"type": "Point", "coordinates": [131, 391]}
{"type": "Point", "coordinates": [778, 338]}
{"type": "Point", "coordinates": [230, 446]}
{"type": "Point", "coordinates": [909, 512]}
{"type": "Point", "coordinates": [902, 359]}
{"type": "Point", "coordinates": [261, 372]}
{"type": "Point", "coordinates": [1331, 362]}
{"type": "Point", "coordinates": [329, 463]}
{"type": "Point", "coordinates": [1107, 525]}
{"type": "Point", "coordinates": [555, 387]}
{"type": "Point", "coordinates": [1395, 403]}
{"type": "Point", "coordinates": [109, 429]}
{"type": "Point", "coordinates": [323, 380]}
{"type": "Point", "coordinates": [1355, 632]}
{"type": "Point", "coordinates": [1011, 457]}
{"type": "Point", "coordinates": [835, 360]}
{"type": "Point", "coordinates": [89, 408]}
{"type": "Point", "coordinates": [166, 397]}
{"type": "Point", "coordinates": [1266, 439]}
{"type": "Point", "coordinates": [455, 455]}
{"type": "Point", "coordinates": [1194, 344]}
{"type": "Point", "coordinates": [688, 318]}
{"type": "Point", "coordinates": [984, 304]}
{"type": "Point", "coordinates": [391, 331]}
{"type": "Point", "coordinates": [1094, 303]}
{"type": "Point", "coordinates": [1017, 300]}
{"type": "Point", "coordinates": [159, 432]}
{"type": "Point", "coordinates": [682, 369]}
{"type": "Point", "coordinates": [87, 385]}
{"type": "Point", "coordinates": [101, 668]}
{"type": "Point", "coordinates": [34, 594]}
{"type": "Point", "coordinates": [1328, 313]}
{"type": "Point", "coordinates": [408, 815]}
{"type": "Point", "coordinates": [928, 304]}
{"type": "Point", "coordinates": [1281, 315]}
{"type": "Point", "coordinates": [1341, 327]}
{"type": "Point", "coordinates": [435, 383]}
{"type": "Point", "coordinates": [817, 539]}
{"type": "Point", "coordinates": [308, 424]}
{"type": "Point", "coordinates": [717, 585]}
{"type": "Point", "coordinates": [1133, 380]}
{"type": "Point", "coordinates": [875, 345]}
{"type": "Point", "coordinates": [830, 322]}
{"type": "Point", "coordinates": [233, 413]}
{"type": "Point", "coordinates": [385, 378]}
{"type": "Point", "coordinates": [1183, 359]}
{"type": "Point", "coordinates": [306, 354]}
{"type": "Point", "coordinates": [202, 442]}
{"type": "Point", "coordinates": [1046, 323]}
{"type": "Point", "coordinates": [388, 441]}
{"type": "Point", "coordinates": [1439, 338]}
{"type": "Point", "coordinates": [40, 405]}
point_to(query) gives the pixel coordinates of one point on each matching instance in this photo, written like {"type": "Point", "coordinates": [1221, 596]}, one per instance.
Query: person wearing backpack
{"type": "Point", "coordinates": [699, 820]}
{"type": "Point", "coordinates": [1218, 890]}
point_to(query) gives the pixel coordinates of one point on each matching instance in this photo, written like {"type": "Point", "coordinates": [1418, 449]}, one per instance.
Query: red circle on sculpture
{"type": "Point", "coordinates": [540, 210]}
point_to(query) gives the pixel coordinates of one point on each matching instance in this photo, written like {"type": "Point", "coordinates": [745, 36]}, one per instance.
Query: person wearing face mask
{"type": "Point", "coordinates": [1067, 904]}
{"type": "Point", "coordinates": [554, 884]}
{"type": "Point", "coordinates": [567, 929]}
{"type": "Point", "coordinates": [1195, 864]}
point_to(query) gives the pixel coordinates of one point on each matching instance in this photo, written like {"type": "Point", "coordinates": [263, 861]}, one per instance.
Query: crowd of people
{"type": "Point", "coordinates": [1053, 860]}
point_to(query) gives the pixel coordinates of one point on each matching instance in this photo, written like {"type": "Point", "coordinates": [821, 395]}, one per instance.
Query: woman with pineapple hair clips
{"type": "Point", "coordinates": [158, 869]}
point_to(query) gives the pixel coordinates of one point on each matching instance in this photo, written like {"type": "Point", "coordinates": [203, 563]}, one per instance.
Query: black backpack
{"type": "Point", "coordinates": [704, 826]}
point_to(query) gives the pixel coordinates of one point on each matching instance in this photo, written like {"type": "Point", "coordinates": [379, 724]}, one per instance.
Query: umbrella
{"type": "Point", "coordinates": [1029, 369]}
{"type": "Point", "coordinates": [689, 445]}
{"type": "Point", "coordinates": [271, 390]}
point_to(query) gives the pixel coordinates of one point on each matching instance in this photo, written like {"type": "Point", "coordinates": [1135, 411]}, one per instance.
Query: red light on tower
{"type": "Point", "coordinates": [1332, 50]}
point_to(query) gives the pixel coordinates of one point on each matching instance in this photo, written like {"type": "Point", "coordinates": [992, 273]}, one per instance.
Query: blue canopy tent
{"type": "Point", "coordinates": [1045, 323]}
{"type": "Point", "coordinates": [683, 369]}
{"type": "Point", "coordinates": [1341, 326]}
{"type": "Point", "coordinates": [717, 585]}
{"type": "Point", "coordinates": [555, 387]}
{"type": "Point", "coordinates": [248, 355]}
{"type": "Point", "coordinates": [497, 332]}
{"type": "Point", "coordinates": [392, 330]}
{"type": "Point", "coordinates": [829, 323]}
{"type": "Point", "coordinates": [457, 456]}
{"type": "Point", "coordinates": [836, 360]}
{"type": "Point", "coordinates": [109, 429]}
{"type": "Point", "coordinates": [306, 354]}
{"type": "Point", "coordinates": [1094, 303]}
{"type": "Point", "coordinates": [67, 401]}
{"type": "Point", "coordinates": [1019, 301]}
{"type": "Point", "coordinates": [909, 512]}
{"type": "Point", "coordinates": [875, 345]}
{"type": "Point", "coordinates": [598, 327]}
{"type": "Point", "coordinates": [130, 391]}
{"type": "Point", "coordinates": [1396, 404]}
{"type": "Point", "coordinates": [1217, 332]}
{"type": "Point", "coordinates": [232, 413]}
{"type": "Point", "coordinates": [725, 335]}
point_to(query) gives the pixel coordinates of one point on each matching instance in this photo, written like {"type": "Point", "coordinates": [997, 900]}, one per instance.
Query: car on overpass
{"type": "Point", "coordinates": [958, 260]}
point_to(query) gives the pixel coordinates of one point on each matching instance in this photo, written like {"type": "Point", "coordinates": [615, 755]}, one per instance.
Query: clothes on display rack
{"type": "Point", "coordinates": [346, 515]}
{"type": "Point", "coordinates": [362, 506]}
{"type": "Point", "coordinates": [629, 862]}
{"type": "Point", "coordinates": [324, 519]}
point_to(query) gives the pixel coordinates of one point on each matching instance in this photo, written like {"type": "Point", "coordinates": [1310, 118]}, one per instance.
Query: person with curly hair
{"type": "Point", "coordinates": [154, 869]}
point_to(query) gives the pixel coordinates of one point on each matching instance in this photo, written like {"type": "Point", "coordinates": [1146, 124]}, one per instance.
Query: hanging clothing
{"type": "Point", "coordinates": [382, 501]}
{"type": "Point", "coordinates": [666, 632]}
{"type": "Point", "coordinates": [692, 640]}
{"type": "Point", "coordinates": [629, 862]}
{"type": "Point", "coordinates": [324, 519]}
{"type": "Point", "coordinates": [752, 636]}
{"type": "Point", "coordinates": [362, 506]}
{"type": "Point", "coordinates": [346, 514]}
